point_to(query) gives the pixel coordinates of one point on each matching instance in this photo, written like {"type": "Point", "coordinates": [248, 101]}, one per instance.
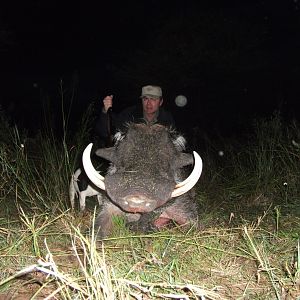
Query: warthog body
{"type": "Point", "coordinates": [81, 187]}
{"type": "Point", "coordinates": [145, 180]}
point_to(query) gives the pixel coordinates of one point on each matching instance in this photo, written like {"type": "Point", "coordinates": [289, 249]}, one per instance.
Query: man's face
{"type": "Point", "coordinates": [151, 105]}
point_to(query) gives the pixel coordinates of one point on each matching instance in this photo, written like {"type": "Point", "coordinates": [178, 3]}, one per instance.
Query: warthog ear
{"type": "Point", "coordinates": [183, 160]}
{"type": "Point", "coordinates": [106, 153]}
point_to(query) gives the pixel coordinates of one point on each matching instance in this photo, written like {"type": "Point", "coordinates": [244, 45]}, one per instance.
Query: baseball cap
{"type": "Point", "coordinates": [151, 91]}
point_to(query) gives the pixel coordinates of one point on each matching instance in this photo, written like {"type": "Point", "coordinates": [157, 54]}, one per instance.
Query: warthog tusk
{"type": "Point", "coordinates": [187, 184]}
{"type": "Point", "coordinates": [89, 169]}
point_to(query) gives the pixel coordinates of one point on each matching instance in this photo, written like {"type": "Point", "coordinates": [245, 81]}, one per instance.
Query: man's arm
{"type": "Point", "coordinates": [118, 121]}
{"type": "Point", "coordinates": [101, 124]}
{"type": "Point", "coordinates": [101, 128]}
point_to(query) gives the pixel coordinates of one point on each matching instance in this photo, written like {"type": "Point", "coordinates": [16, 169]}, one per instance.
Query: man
{"type": "Point", "coordinates": [150, 112]}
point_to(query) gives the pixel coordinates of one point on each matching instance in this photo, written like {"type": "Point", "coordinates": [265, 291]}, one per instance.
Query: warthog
{"type": "Point", "coordinates": [145, 181]}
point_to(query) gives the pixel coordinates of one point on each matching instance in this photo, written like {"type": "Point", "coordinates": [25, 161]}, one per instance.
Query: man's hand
{"type": "Point", "coordinates": [107, 103]}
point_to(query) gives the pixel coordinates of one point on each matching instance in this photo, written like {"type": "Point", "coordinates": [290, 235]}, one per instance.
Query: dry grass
{"type": "Point", "coordinates": [245, 262]}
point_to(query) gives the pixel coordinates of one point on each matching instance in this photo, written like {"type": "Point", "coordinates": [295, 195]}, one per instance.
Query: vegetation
{"type": "Point", "coordinates": [248, 247]}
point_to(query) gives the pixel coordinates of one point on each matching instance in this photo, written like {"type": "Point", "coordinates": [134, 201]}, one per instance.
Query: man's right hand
{"type": "Point", "coordinates": [107, 103]}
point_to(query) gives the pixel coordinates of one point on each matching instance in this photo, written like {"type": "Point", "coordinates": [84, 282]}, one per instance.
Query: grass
{"type": "Point", "coordinates": [217, 263]}
{"type": "Point", "coordinates": [248, 247]}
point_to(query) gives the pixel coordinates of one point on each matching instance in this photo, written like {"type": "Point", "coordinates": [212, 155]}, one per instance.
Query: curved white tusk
{"type": "Point", "coordinates": [187, 184]}
{"type": "Point", "coordinates": [89, 169]}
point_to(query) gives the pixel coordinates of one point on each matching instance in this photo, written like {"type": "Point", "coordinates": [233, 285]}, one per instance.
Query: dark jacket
{"type": "Point", "coordinates": [131, 114]}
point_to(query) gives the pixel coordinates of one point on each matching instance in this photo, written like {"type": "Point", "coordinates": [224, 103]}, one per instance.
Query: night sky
{"type": "Point", "coordinates": [234, 60]}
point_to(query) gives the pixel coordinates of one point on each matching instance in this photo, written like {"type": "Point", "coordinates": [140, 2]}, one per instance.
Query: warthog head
{"type": "Point", "coordinates": [145, 170]}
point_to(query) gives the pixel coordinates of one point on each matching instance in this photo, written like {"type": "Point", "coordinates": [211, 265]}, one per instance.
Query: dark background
{"type": "Point", "coordinates": [233, 60]}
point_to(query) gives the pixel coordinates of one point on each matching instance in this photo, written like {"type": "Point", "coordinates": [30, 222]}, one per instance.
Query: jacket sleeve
{"type": "Point", "coordinates": [118, 121]}
{"type": "Point", "coordinates": [127, 115]}
{"type": "Point", "coordinates": [101, 124]}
